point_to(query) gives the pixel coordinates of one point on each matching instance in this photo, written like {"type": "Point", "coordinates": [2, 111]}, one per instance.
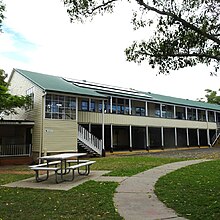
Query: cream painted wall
{"type": "Point", "coordinates": [96, 118]}
{"type": "Point", "coordinates": [18, 86]}
{"type": "Point", "coordinates": [59, 135]}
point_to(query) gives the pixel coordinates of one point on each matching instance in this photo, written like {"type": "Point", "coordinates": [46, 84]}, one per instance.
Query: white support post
{"type": "Point", "coordinates": [146, 109]}
{"type": "Point", "coordinates": [187, 137]}
{"type": "Point", "coordinates": [198, 137]}
{"type": "Point", "coordinates": [197, 115]}
{"type": "Point", "coordinates": [103, 128]}
{"type": "Point", "coordinates": [130, 136]}
{"type": "Point", "coordinates": [175, 136]}
{"type": "Point", "coordinates": [208, 138]}
{"type": "Point", "coordinates": [130, 107]}
{"type": "Point", "coordinates": [77, 108]}
{"type": "Point", "coordinates": [206, 116]}
{"type": "Point", "coordinates": [162, 138]}
{"type": "Point", "coordinates": [161, 111]}
{"type": "Point", "coordinates": [215, 118]}
{"type": "Point", "coordinates": [89, 105]}
{"type": "Point", "coordinates": [186, 113]}
{"type": "Point", "coordinates": [111, 128]}
{"type": "Point", "coordinates": [111, 104]}
{"type": "Point", "coordinates": [147, 138]}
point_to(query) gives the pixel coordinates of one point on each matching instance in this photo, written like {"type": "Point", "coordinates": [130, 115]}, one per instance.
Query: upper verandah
{"type": "Point", "coordinates": [85, 88]}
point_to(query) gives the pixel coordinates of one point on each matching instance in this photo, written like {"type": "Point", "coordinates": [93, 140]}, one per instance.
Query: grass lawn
{"type": "Point", "coordinates": [193, 191]}
{"type": "Point", "coordinates": [91, 200]}
{"type": "Point", "coordinates": [129, 165]}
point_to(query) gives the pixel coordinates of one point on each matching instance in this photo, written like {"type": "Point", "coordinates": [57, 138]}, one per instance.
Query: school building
{"type": "Point", "coordinates": [70, 115]}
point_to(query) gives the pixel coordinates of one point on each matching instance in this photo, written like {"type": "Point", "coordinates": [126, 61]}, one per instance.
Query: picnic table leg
{"type": "Point", "coordinates": [86, 172]}
{"type": "Point", "coordinates": [37, 176]}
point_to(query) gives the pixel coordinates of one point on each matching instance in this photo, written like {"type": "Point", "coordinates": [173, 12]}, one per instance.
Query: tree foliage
{"type": "Point", "coordinates": [8, 102]}
{"type": "Point", "coordinates": [187, 32]}
{"type": "Point", "coordinates": [2, 9]}
{"type": "Point", "coordinates": [212, 96]}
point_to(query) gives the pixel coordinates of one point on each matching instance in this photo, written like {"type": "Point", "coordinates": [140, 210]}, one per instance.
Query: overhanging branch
{"type": "Point", "coordinates": [200, 55]}
{"type": "Point", "coordinates": [102, 5]}
{"type": "Point", "coordinates": [177, 18]}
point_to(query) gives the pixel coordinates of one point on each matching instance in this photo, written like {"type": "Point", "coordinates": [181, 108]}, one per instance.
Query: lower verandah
{"type": "Point", "coordinates": [119, 138]}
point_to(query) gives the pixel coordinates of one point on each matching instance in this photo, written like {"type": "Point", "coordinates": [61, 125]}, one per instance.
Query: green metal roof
{"type": "Point", "coordinates": [56, 83]}
{"type": "Point", "coordinates": [59, 84]}
{"type": "Point", "coordinates": [183, 102]}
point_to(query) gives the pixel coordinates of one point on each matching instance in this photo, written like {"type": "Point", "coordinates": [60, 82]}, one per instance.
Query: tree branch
{"type": "Point", "coordinates": [177, 18]}
{"type": "Point", "coordinates": [201, 55]}
{"type": "Point", "coordinates": [102, 5]}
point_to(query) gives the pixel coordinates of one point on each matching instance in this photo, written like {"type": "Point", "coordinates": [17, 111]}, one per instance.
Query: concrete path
{"type": "Point", "coordinates": [135, 198]}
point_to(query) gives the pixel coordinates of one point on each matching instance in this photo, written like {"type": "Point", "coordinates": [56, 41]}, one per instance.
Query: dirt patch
{"type": "Point", "coordinates": [195, 153]}
{"type": "Point", "coordinates": [15, 172]}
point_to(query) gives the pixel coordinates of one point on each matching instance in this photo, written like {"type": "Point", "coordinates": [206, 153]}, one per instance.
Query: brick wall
{"type": "Point", "coordinates": [15, 160]}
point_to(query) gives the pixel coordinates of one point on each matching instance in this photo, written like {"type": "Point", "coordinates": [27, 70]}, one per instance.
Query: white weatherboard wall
{"type": "Point", "coordinates": [18, 86]}
{"type": "Point", "coordinates": [125, 120]}
{"type": "Point", "coordinates": [59, 135]}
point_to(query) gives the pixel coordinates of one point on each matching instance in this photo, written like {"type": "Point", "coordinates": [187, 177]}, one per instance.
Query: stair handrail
{"type": "Point", "coordinates": [215, 137]}
{"type": "Point", "coordinates": [90, 140]}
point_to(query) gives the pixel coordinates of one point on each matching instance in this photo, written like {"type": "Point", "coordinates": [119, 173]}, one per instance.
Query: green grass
{"type": "Point", "coordinates": [91, 200]}
{"type": "Point", "coordinates": [130, 165]}
{"type": "Point", "coordinates": [193, 191]}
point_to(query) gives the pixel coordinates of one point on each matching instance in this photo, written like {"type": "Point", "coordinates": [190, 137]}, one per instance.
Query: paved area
{"type": "Point", "coordinates": [52, 185]}
{"type": "Point", "coordinates": [135, 198]}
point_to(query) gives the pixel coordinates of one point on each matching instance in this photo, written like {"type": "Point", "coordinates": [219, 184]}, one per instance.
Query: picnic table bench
{"type": "Point", "coordinates": [86, 164]}
{"type": "Point", "coordinates": [60, 170]}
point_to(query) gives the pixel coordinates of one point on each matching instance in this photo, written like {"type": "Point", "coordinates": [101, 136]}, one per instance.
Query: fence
{"type": "Point", "coordinates": [14, 150]}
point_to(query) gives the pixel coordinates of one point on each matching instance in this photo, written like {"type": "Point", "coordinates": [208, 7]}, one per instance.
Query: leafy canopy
{"type": "Point", "coordinates": [2, 9]}
{"type": "Point", "coordinates": [212, 96]}
{"type": "Point", "coordinates": [187, 32]}
{"type": "Point", "coordinates": [8, 102]}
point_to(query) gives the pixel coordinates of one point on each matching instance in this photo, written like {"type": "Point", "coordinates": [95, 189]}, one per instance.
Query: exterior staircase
{"type": "Point", "coordinates": [215, 141]}
{"type": "Point", "coordinates": [89, 142]}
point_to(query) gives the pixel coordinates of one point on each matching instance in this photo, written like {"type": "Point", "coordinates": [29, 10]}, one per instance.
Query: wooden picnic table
{"type": "Point", "coordinates": [59, 164]}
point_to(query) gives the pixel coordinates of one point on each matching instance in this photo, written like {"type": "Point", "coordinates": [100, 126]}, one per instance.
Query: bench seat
{"type": "Point", "coordinates": [45, 168]}
{"type": "Point", "coordinates": [77, 166]}
{"type": "Point", "coordinates": [45, 164]}
{"type": "Point", "coordinates": [76, 161]}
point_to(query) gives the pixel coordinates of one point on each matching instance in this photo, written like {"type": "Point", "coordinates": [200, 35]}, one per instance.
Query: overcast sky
{"type": "Point", "coordinates": [39, 37]}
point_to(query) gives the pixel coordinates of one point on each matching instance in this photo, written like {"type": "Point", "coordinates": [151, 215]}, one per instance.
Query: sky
{"type": "Point", "coordinates": [38, 36]}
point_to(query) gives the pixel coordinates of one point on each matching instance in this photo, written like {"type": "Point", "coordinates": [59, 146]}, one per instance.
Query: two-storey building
{"type": "Point", "coordinates": [69, 115]}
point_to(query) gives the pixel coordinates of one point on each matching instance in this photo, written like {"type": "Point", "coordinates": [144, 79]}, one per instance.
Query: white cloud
{"type": "Point", "coordinates": [93, 51]}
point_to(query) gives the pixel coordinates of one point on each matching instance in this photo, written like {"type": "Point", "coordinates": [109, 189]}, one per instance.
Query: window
{"type": "Point", "coordinates": [30, 92]}
{"type": "Point", "coordinates": [60, 107]}
{"type": "Point", "coordinates": [92, 106]}
{"type": "Point", "coordinates": [180, 113]}
{"type": "Point", "coordinates": [211, 116]}
{"type": "Point", "coordinates": [167, 111]}
{"type": "Point", "coordinates": [84, 105]}
{"type": "Point", "coordinates": [100, 106]}
{"type": "Point", "coordinates": [157, 110]}
{"type": "Point", "coordinates": [201, 115]}
{"type": "Point", "coordinates": [191, 114]}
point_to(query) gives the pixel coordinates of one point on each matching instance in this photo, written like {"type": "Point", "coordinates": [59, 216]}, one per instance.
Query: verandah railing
{"type": "Point", "coordinates": [90, 140]}
{"type": "Point", "coordinates": [13, 150]}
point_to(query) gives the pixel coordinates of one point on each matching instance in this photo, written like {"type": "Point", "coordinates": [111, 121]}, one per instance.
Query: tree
{"type": "Point", "coordinates": [212, 96]}
{"type": "Point", "coordinates": [2, 9]}
{"type": "Point", "coordinates": [187, 32]}
{"type": "Point", "coordinates": [8, 102]}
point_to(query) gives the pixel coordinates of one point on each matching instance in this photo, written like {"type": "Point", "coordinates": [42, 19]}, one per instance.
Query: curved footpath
{"type": "Point", "coordinates": [135, 198]}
